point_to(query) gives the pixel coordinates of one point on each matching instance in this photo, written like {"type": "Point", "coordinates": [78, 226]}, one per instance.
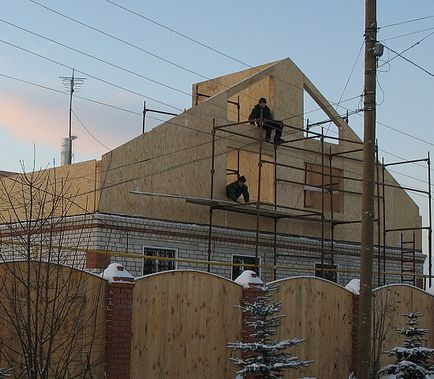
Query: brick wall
{"type": "Point", "coordinates": [295, 255]}
{"type": "Point", "coordinates": [119, 329]}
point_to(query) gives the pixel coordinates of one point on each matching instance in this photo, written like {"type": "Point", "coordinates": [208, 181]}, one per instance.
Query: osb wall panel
{"type": "Point", "coordinates": [247, 164]}
{"type": "Point", "coordinates": [174, 158]}
{"type": "Point", "coordinates": [221, 83]}
{"type": "Point", "coordinates": [389, 303]}
{"type": "Point", "coordinates": [320, 312]}
{"type": "Point", "coordinates": [63, 301]}
{"type": "Point", "coordinates": [182, 322]}
{"type": "Point", "coordinates": [73, 184]}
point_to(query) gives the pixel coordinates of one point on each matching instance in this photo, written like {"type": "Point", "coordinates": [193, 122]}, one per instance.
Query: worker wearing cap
{"type": "Point", "coordinates": [268, 123]}
{"type": "Point", "coordinates": [238, 188]}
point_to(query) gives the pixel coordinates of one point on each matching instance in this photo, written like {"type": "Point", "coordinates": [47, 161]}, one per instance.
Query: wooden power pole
{"type": "Point", "coordinates": [367, 237]}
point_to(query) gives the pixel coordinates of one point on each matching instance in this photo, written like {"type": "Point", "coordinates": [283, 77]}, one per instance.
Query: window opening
{"type": "Point", "coordinates": [151, 266]}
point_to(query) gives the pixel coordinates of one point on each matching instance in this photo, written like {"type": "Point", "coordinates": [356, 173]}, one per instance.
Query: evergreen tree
{"type": "Point", "coordinates": [264, 356]}
{"type": "Point", "coordinates": [413, 361]}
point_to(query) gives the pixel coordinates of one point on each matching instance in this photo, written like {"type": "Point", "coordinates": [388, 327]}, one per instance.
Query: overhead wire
{"type": "Point", "coordinates": [406, 34]}
{"type": "Point", "coordinates": [144, 50]}
{"type": "Point", "coordinates": [405, 22]}
{"type": "Point", "coordinates": [192, 39]}
{"type": "Point", "coordinates": [89, 132]}
{"type": "Point", "coordinates": [121, 40]}
{"type": "Point", "coordinates": [173, 123]}
{"type": "Point", "coordinates": [405, 50]}
{"type": "Point", "coordinates": [410, 61]}
{"type": "Point", "coordinates": [68, 47]}
{"type": "Point", "coordinates": [178, 33]}
{"type": "Point", "coordinates": [97, 58]}
{"type": "Point", "coordinates": [196, 41]}
{"type": "Point", "coordinates": [88, 74]}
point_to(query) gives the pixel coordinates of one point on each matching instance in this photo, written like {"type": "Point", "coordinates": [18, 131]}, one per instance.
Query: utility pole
{"type": "Point", "coordinates": [71, 84]}
{"type": "Point", "coordinates": [367, 237]}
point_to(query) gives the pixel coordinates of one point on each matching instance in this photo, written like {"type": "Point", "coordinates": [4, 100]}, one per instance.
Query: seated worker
{"type": "Point", "coordinates": [238, 188]}
{"type": "Point", "coordinates": [268, 123]}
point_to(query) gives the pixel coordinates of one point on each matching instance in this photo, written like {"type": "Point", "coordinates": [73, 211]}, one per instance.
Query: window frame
{"type": "Point", "coordinates": [159, 248]}
{"type": "Point", "coordinates": [318, 267]}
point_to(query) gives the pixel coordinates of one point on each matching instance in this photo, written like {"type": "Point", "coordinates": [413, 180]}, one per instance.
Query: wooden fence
{"type": "Point", "coordinates": [389, 304]}
{"type": "Point", "coordinates": [181, 322]}
{"type": "Point", "coordinates": [320, 312]}
{"type": "Point", "coordinates": [52, 319]}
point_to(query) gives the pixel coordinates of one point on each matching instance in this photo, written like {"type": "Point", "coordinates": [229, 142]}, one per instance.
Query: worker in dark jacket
{"type": "Point", "coordinates": [268, 123]}
{"type": "Point", "coordinates": [238, 188]}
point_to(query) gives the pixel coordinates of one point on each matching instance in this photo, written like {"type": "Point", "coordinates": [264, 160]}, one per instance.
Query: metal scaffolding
{"type": "Point", "coordinates": [277, 211]}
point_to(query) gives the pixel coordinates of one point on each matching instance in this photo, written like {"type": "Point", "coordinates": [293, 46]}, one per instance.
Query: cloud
{"type": "Point", "coordinates": [31, 120]}
{"type": "Point", "coordinates": [44, 122]}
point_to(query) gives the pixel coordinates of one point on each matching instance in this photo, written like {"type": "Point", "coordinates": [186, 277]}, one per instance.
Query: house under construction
{"type": "Point", "coordinates": [158, 202]}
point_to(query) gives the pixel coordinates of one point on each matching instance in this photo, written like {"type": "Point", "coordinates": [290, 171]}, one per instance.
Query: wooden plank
{"type": "Point", "coordinates": [320, 312]}
{"type": "Point", "coordinates": [182, 332]}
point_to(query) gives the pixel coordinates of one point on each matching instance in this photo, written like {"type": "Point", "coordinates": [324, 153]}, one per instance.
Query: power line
{"type": "Point", "coordinates": [407, 34]}
{"type": "Point", "coordinates": [89, 75]}
{"type": "Point", "coordinates": [410, 61]}
{"type": "Point", "coordinates": [139, 48]}
{"type": "Point", "coordinates": [405, 22]}
{"type": "Point", "coordinates": [178, 33]}
{"type": "Point", "coordinates": [98, 59]}
{"type": "Point", "coordinates": [121, 40]}
{"type": "Point", "coordinates": [89, 132]}
{"type": "Point", "coordinates": [179, 125]}
{"type": "Point", "coordinates": [405, 50]}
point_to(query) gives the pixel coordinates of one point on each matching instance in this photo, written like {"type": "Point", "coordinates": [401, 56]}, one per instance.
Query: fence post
{"type": "Point", "coordinates": [119, 321]}
{"type": "Point", "coordinates": [250, 282]}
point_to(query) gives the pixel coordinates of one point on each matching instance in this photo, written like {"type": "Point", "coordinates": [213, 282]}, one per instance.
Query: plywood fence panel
{"type": "Point", "coordinates": [320, 312]}
{"type": "Point", "coordinates": [389, 303]}
{"type": "Point", "coordinates": [61, 300]}
{"type": "Point", "coordinates": [182, 322]}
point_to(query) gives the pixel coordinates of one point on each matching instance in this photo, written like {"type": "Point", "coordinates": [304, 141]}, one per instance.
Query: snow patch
{"type": "Point", "coordinates": [116, 273]}
{"type": "Point", "coordinates": [430, 290]}
{"type": "Point", "coordinates": [247, 278]}
{"type": "Point", "coordinates": [354, 286]}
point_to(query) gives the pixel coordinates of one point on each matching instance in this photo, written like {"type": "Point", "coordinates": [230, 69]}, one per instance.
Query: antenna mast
{"type": "Point", "coordinates": [72, 84]}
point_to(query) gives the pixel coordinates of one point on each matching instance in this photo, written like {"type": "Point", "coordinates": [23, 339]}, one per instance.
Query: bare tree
{"type": "Point", "coordinates": [49, 310]}
{"type": "Point", "coordinates": [382, 327]}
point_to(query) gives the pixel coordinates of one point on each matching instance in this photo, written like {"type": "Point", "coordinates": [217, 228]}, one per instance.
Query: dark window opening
{"type": "Point", "coordinates": [324, 271]}
{"type": "Point", "coordinates": [151, 266]}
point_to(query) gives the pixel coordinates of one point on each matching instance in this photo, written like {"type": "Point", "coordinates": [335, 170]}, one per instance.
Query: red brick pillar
{"type": "Point", "coordinates": [250, 293]}
{"type": "Point", "coordinates": [97, 260]}
{"type": "Point", "coordinates": [119, 322]}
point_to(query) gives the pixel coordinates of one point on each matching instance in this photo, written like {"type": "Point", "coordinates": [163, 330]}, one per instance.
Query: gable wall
{"type": "Point", "coordinates": [175, 158]}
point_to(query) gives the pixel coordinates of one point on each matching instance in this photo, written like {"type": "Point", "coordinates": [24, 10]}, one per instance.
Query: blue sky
{"type": "Point", "coordinates": [322, 37]}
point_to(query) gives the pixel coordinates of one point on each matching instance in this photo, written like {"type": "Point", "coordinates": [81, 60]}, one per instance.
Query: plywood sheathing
{"type": "Point", "coordinates": [75, 183]}
{"type": "Point", "coordinates": [173, 158]}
